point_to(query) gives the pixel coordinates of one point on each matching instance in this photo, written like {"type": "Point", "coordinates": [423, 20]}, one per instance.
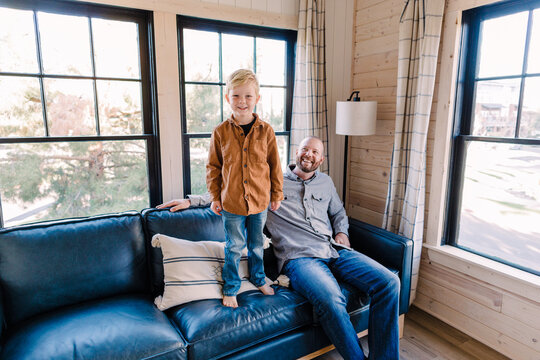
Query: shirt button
{"type": "Point", "coordinates": [245, 181]}
{"type": "Point", "coordinates": [245, 149]}
{"type": "Point", "coordinates": [305, 199]}
{"type": "Point", "coordinates": [246, 197]}
{"type": "Point", "coordinates": [245, 165]}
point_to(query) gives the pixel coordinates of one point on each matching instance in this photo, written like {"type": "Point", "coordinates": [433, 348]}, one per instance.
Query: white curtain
{"type": "Point", "coordinates": [419, 36]}
{"type": "Point", "coordinates": [309, 113]}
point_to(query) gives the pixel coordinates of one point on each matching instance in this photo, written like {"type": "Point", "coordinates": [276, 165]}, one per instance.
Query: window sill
{"type": "Point", "coordinates": [494, 273]}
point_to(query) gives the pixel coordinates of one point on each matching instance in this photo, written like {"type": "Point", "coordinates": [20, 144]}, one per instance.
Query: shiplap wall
{"type": "Point", "coordinates": [500, 308]}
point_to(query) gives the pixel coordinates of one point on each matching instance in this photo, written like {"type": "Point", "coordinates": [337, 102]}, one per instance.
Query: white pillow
{"type": "Point", "coordinates": [193, 270]}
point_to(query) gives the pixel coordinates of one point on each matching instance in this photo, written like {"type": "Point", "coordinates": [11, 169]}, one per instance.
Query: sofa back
{"type": "Point", "coordinates": [49, 265]}
{"type": "Point", "coordinates": [196, 224]}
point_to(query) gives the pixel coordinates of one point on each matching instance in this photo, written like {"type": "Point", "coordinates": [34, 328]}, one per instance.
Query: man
{"type": "Point", "coordinates": [302, 229]}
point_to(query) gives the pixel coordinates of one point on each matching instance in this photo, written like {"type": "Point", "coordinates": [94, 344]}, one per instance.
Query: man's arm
{"type": "Point", "coordinates": [180, 204]}
{"type": "Point", "coordinates": [338, 218]}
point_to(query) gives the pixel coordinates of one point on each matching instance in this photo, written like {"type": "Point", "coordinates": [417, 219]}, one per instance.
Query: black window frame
{"type": "Point", "coordinates": [464, 110]}
{"type": "Point", "coordinates": [149, 115]}
{"type": "Point", "coordinates": [194, 23]}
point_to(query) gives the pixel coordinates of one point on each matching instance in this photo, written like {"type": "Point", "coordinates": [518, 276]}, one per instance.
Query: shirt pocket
{"type": "Point", "coordinates": [320, 201]}
{"type": "Point", "coordinates": [230, 153]}
{"type": "Point", "coordinates": [258, 150]}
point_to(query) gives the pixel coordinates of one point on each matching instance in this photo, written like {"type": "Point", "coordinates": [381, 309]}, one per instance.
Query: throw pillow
{"type": "Point", "coordinates": [193, 270]}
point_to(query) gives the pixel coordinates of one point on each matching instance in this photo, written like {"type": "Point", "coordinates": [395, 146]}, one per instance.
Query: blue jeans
{"type": "Point", "coordinates": [237, 228]}
{"type": "Point", "coordinates": [315, 279]}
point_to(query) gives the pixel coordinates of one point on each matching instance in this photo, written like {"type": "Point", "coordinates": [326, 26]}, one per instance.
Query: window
{"type": "Point", "coordinates": [209, 52]}
{"type": "Point", "coordinates": [76, 121]}
{"type": "Point", "coordinates": [494, 203]}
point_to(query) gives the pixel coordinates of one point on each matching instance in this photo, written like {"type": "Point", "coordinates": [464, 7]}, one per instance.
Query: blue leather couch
{"type": "Point", "coordinates": [84, 289]}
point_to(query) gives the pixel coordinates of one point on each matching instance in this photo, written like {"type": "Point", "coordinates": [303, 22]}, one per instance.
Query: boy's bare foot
{"type": "Point", "coordinates": [230, 301]}
{"type": "Point", "coordinates": [266, 289]}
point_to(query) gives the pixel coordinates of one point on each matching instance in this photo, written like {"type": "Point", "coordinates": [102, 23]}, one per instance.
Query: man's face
{"type": "Point", "coordinates": [310, 155]}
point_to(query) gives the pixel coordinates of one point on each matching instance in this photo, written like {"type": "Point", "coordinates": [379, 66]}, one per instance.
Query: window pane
{"type": "Point", "coordinates": [283, 145]}
{"type": "Point", "coordinates": [70, 107]}
{"type": "Point", "coordinates": [495, 110]}
{"type": "Point", "coordinates": [502, 45]}
{"type": "Point", "coordinates": [237, 53]}
{"type": "Point", "coordinates": [201, 55]}
{"type": "Point", "coordinates": [198, 151]}
{"type": "Point", "coordinates": [116, 48]}
{"type": "Point", "coordinates": [533, 65]}
{"type": "Point", "coordinates": [119, 107]}
{"type": "Point", "coordinates": [271, 61]}
{"type": "Point", "coordinates": [20, 108]}
{"type": "Point", "coordinates": [530, 113]}
{"type": "Point", "coordinates": [65, 44]}
{"type": "Point", "coordinates": [17, 41]}
{"type": "Point", "coordinates": [202, 107]}
{"type": "Point", "coordinates": [271, 107]}
{"type": "Point", "coordinates": [500, 209]}
{"type": "Point", "coordinates": [74, 179]}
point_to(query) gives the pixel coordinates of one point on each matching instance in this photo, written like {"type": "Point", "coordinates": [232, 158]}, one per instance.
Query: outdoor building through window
{"type": "Point", "coordinates": [494, 204]}
{"type": "Point", "coordinates": [76, 119]}
{"type": "Point", "coordinates": [209, 52]}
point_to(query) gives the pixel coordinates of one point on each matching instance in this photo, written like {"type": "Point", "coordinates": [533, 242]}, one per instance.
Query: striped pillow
{"type": "Point", "coordinates": [193, 270]}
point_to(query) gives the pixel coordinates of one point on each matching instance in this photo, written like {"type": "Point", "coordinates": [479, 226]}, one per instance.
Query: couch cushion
{"type": "Point", "coordinates": [122, 327]}
{"type": "Point", "coordinates": [191, 224]}
{"type": "Point", "coordinates": [212, 329]}
{"type": "Point", "coordinates": [193, 270]}
{"type": "Point", "coordinates": [49, 265]}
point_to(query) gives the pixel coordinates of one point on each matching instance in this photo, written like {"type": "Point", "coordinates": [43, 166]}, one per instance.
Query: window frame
{"type": "Point", "coordinates": [194, 23]}
{"type": "Point", "coordinates": [149, 116]}
{"type": "Point", "coordinates": [464, 111]}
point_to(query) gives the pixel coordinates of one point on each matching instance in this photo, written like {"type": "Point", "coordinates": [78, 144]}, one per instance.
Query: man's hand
{"type": "Point", "coordinates": [216, 207]}
{"type": "Point", "coordinates": [176, 204]}
{"type": "Point", "coordinates": [342, 239]}
{"type": "Point", "coordinates": [274, 205]}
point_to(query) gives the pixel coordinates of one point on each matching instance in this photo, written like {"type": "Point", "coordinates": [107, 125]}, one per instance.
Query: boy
{"type": "Point", "coordinates": [243, 176]}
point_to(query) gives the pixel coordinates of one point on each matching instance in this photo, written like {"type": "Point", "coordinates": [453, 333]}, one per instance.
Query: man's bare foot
{"type": "Point", "coordinates": [266, 289]}
{"type": "Point", "coordinates": [230, 301]}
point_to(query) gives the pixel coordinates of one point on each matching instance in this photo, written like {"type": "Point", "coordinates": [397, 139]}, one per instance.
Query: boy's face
{"type": "Point", "coordinates": [242, 100]}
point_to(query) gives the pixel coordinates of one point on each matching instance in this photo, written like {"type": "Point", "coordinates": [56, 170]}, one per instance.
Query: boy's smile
{"type": "Point", "coordinates": [242, 100]}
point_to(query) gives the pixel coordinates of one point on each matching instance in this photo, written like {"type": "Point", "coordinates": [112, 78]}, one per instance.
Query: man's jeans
{"type": "Point", "coordinates": [237, 228]}
{"type": "Point", "coordinates": [316, 278]}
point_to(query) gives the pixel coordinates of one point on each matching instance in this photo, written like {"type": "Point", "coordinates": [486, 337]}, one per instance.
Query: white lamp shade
{"type": "Point", "coordinates": [356, 117]}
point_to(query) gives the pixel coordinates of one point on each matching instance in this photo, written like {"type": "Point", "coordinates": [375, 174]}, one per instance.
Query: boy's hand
{"type": "Point", "coordinates": [176, 204]}
{"type": "Point", "coordinates": [274, 205]}
{"type": "Point", "coordinates": [216, 207]}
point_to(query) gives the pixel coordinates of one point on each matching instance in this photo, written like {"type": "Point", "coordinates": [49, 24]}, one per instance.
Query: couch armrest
{"type": "Point", "coordinates": [389, 249]}
{"type": "Point", "coordinates": [2, 320]}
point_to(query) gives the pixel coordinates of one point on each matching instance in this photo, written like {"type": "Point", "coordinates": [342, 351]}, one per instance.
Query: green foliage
{"type": "Point", "coordinates": [74, 178]}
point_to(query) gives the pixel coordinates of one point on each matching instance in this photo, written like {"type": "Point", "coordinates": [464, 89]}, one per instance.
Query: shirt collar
{"type": "Point", "coordinates": [292, 176]}
{"type": "Point", "coordinates": [257, 121]}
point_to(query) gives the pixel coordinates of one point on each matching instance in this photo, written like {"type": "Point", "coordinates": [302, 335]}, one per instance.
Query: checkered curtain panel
{"type": "Point", "coordinates": [309, 113]}
{"type": "Point", "coordinates": [419, 35]}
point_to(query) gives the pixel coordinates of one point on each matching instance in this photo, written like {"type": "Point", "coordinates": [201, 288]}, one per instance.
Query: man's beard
{"type": "Point", "coordinates": [306, 168]}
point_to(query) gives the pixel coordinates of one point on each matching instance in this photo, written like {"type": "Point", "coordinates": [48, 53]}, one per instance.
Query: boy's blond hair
{"type": "Point", "coordinates": [241, 77]}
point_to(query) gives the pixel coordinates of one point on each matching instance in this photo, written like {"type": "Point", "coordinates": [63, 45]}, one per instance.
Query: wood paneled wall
{"type": "Point", "coordinates": [473, 298]}
{"type": "Point", "coordinates": [374, 75]}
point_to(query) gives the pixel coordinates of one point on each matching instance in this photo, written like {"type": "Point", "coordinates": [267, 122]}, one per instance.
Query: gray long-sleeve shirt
{"type": "Point", "coordinates": [302, 226]}
{"type": "Point", "coordinates": [310, 214]}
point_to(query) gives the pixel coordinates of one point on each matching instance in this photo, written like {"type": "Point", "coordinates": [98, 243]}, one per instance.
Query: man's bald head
{"type": "Point", "coordinates": [310, 154]}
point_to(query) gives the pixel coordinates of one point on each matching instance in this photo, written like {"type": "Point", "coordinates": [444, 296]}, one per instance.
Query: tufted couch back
{"type": "Point", "coordinates": [50, 265]}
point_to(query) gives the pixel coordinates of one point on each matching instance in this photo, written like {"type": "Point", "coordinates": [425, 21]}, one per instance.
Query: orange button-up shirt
{"type": "Point", "coordinates": [244, 172]}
